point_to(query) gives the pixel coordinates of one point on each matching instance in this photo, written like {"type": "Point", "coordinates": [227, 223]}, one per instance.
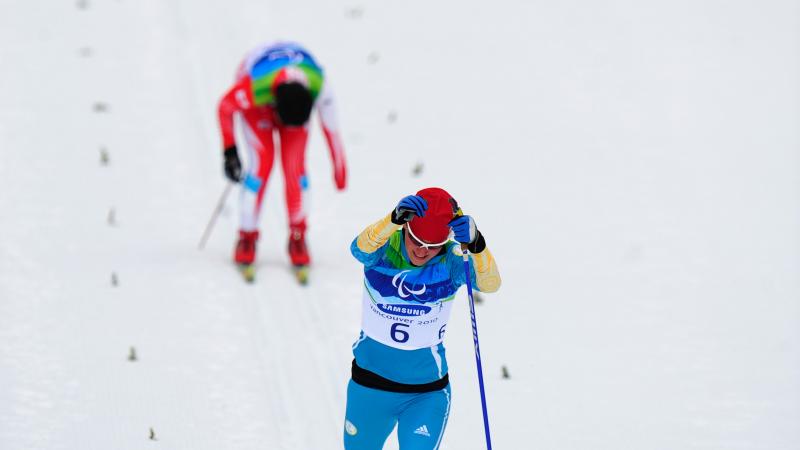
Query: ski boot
{"type": "Point", "coordinates": [298, 253]}
{"type": "Point", "coordinates": [245, 254]}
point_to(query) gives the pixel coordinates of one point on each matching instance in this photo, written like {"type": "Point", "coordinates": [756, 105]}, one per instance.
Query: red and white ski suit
{"type": "Point", "coordinates": [264, 136]}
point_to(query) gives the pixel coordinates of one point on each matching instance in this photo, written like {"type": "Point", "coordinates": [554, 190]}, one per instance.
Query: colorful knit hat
{"type": "Point", "coordinates": [290, 74]}
{"type": "Point", "coordinates": [434, 227]}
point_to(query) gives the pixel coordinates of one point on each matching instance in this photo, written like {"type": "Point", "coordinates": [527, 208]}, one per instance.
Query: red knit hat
{"type": "Point", "coordinates": [442, 208]}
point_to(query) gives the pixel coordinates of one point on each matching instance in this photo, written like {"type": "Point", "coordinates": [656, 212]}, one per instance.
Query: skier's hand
{"type": "Point", "coordinates": [408, 207]}
{"type": "Point", "coordinates": [466, 232]}
{"type": "Point", "coordinates": [464, 229]}
{"type": "Point", "coordinates": [340, 177]}
{"type": "Point", "coordinates": [233, 167]}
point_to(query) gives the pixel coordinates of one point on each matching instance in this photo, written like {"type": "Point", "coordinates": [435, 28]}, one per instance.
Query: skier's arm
{"type": "Point", "coordinates": [330, 128]}
{"type": "Point", "coordinates": [237, 98]}
{"type": "Point", "coordinates": [487, 277]}
{"type": "Point", "coordinates": [484, 274]}
{"type": "Point", "coordinates": [366, 245]}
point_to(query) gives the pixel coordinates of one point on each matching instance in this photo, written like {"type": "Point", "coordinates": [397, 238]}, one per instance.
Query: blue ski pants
{"type": "Point", "coordinates": [372, 414]}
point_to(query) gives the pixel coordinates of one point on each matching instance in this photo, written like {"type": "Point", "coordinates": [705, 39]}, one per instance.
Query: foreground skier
{"type": "Point", "coordinates": [411, 273]}
{"type": "Point", "coordinates": [276, 88]}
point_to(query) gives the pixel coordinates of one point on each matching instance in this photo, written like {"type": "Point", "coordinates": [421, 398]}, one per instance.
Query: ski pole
{"type": "Point", "coordinates": [477, 346]}
{"type": "Point", "coordinates": [214, 215]}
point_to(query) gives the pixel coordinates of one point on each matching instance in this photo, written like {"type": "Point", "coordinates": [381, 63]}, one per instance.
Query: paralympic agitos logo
{"type": "Point", "coordinates": [404, 292]}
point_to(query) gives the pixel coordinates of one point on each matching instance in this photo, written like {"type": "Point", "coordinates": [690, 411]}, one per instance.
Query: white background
{"type": "Point", "coordinates": [633, 165]}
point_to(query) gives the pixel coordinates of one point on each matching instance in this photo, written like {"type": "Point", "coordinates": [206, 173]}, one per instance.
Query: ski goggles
{"type": "Point", "coordinates": [420, 243]}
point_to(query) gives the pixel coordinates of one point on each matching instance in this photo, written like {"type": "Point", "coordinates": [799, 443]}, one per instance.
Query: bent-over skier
{"type": "Point", "coordinates": [276, 88]}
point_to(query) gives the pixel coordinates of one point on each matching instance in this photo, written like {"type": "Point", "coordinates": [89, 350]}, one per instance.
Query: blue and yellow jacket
{"type": "Point", "coordinates": [405, 308]}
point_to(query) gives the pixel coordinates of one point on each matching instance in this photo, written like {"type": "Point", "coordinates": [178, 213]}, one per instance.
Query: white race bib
{"type": "Point", "coordinates": [404, 325]}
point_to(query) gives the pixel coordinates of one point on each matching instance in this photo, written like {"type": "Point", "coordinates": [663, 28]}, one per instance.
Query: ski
{"type": "Point", "coordinates": [301, 274]}
{"type": "Point", "coordinates": [248, 271]}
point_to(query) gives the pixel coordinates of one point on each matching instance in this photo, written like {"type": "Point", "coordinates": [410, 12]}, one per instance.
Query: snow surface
{"type": "Point", "coordinates": [634, 166]}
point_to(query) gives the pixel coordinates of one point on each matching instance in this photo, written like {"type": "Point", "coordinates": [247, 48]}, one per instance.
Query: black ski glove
{"type": "Point", "coordinates": [233, 167]}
